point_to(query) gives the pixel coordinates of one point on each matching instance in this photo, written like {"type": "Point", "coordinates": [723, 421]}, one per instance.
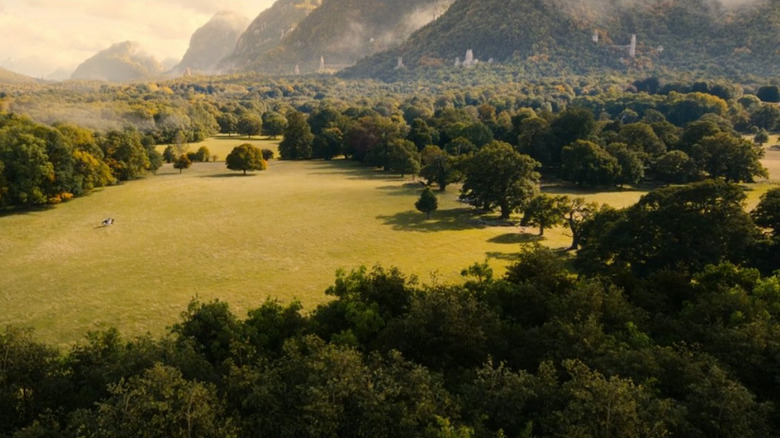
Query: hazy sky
{"type": "Point", "coordinates": [39, 36]}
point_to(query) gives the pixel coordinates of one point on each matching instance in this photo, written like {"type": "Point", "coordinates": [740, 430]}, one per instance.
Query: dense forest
{"type": "Point", "coordinates": [598, 133]}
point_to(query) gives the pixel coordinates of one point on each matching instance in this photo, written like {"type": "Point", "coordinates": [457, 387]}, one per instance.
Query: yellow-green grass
{"type": "Point", "coordinates": [214, 234]}
{"type": "Point", "coordinates": [223, 144]}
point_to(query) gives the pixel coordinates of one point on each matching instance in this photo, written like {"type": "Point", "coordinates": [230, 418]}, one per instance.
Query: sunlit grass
{"type": "Point", "coordinates": [212, 233]}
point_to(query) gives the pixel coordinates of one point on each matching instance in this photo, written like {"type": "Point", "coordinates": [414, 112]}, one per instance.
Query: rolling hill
{"type": "Point", "coordinates": [9, 77]}
{"type": "Point", "coordinates": [119, 63]}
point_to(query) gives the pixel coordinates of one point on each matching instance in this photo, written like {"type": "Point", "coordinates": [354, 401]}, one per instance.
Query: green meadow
{"type": "Point", "coordinates": [210, 233]}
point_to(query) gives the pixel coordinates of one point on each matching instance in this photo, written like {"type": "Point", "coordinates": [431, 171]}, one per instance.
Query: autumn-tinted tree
{"type": "Point", "coordinates": [245, 157]}
{"type": "Point", "coordinates": [298, 139]}
{"type": "Point", "coordinates": [427, 203]}
{"type": "Point", "coordinates": [497, 175]}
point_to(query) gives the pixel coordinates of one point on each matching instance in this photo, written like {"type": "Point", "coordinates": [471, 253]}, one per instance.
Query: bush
{"type": "Point", "coordinates": [267, 154]}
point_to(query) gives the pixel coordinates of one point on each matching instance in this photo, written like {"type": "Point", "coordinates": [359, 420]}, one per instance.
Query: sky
{"type": "Point", "coordinates": [38, 37]}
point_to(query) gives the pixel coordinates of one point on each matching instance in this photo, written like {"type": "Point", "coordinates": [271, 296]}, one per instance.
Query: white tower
{"type": "Point", "coordinates": [632, 47]}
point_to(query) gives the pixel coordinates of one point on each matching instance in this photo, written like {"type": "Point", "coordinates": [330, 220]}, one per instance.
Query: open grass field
{"type": "Point", "coordinates": [214, 234]}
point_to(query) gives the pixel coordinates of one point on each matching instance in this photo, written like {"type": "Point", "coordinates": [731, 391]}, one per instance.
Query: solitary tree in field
{"type": "Point", "coordinates": [427, 203]}
{"type": "Point", "coordinates": [245, 157]}
{"type": "Point", "coordinates": [544, 211]}
{"type": "Point", "coordinates": [499, 176]}
{"type": "Point", "coordinates": [183, 162]}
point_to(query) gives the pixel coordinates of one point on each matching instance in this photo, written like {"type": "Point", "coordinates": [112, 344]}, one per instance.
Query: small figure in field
{"type": "Point", "coordinates": [107, 222]}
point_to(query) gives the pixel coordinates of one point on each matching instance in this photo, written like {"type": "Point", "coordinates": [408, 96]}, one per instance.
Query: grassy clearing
{"type": "Point", "coordinates": [214, 234]}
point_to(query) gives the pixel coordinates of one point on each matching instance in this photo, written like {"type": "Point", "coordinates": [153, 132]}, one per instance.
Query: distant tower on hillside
{"type": "Point", "coordinates": [632, 47]}
{"type": "Point", "coordinates": [400, 64]}
{"type": "Point", "coordinates": [469, 60]}
{"type": "Point", "coordinates": [297, 69]}
{"type": "Point", "coordinates": [322, 63]}
{"type": "Point", "coordinates": [595, 36]}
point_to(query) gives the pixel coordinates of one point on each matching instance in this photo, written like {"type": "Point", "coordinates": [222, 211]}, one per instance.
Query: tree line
{"type": "Point", "coordinates": [677, 339]}
{"type": "Point", "coordinates": [42, 164]}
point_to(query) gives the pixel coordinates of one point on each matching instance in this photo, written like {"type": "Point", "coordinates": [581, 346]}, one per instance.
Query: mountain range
{"type": "Point", "coordinates": [212, 42]}
{"type": "Point", "coordinates": [390, 38]}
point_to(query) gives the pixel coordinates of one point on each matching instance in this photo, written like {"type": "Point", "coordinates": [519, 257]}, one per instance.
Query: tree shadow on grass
{"type": "Point", "coordinates": [228, 175]}
{"type": "Point", "coordinates": [508, 256]}
{"type": "Point", "coordinates": [516, 238]}
{"type": "Point", "coordinates": [442, 220]}
{"type": "Point", "coordinates": [24, 210]}
{"type": "Point", "coordinates": [353, 170]}
{"type": "Point", "coordinates": [408, 189]}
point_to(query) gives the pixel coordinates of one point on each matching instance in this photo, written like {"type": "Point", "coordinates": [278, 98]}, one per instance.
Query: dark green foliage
{"type": "Point", "coordinates": [675, 167]}
{"type": "Point", "coordinates": [587, 163]}
{"type": "Point", "coordinates": [298, 139]}
{"type": "Point", "coordinates": [427, 203]}
{"type": "Point", "coordinates": [544, 211]}
{"type": "Point", "coordinates": [732, 158]}
{"type": "Point", "coordinates": [267, 154]}
{"type": "Point", "coordinates": [403, 158]}
{"type": "Point", "coordinates": [683, 227]}
{"type": "Point", "coordinates": [439, 167]}
{"type": "Point", "coordinates": [181, 163]}
{"type": "Point", "coordinates": [29, 379]}
{"type": "Point", "coordinates": [228, 123]}
{"type": "Point", "coordinates": [159, 403]}
{"type": "Point", "coordinates": [274, 124]}
{"type": "Point", "coordinates": [211, 329]}
{"type": "Point", "coordinates": [245, 157]}
{"type": "Point", "coordinates": [767, 213]}
{"type": "Point", "coordinates": [498, 176]}
{"type": "Point", "coordinates": [769, 93]}
{"type": "Point", "coordinates": [249, 124]}
{"type": "Point", "coordinates": [203, 154]}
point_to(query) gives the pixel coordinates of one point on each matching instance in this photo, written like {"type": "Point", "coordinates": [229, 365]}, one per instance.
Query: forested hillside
{"type": "Point", "coordinates": [581, 36]}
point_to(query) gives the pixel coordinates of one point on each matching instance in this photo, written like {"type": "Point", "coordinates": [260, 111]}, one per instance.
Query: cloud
{"type": "Point", "coordinates": [40, 36]}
